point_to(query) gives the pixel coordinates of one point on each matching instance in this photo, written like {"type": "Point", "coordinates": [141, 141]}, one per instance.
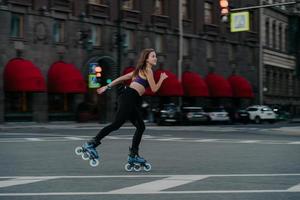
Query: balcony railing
{"type": "Point", "coordinates": [61, 5]}
{"type": "Point", "coordinates": [160, 20]}
{"type": "Point", "coordinates": [131, 15]}
{"type": "Point", "coordinates": [20, 2]}
{"type": "Point", "coordinates": [98, 10]}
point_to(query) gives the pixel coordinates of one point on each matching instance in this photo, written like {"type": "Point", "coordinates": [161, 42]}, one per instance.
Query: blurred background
{"type": "Point", "coordinates": [49, 50]}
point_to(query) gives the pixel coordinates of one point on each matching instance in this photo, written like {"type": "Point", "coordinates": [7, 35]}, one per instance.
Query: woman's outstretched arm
{"type": "Point", "coordinates": [115, 82]}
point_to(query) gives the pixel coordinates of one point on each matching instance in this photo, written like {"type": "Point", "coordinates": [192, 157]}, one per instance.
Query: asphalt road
{"type": "Point", "coordinates": [195, 162]}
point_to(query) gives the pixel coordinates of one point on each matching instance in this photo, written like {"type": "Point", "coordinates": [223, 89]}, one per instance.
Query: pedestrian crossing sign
{"type": "Point", "coordinates": [239, 21]}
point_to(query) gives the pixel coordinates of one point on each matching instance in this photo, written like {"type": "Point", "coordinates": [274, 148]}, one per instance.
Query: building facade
{"type": "Point", "coordinates": [48, 34]}
{"type": "Point", "coordinates": [281, 57]}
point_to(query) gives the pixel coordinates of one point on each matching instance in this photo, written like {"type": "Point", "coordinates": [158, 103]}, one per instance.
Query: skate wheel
{"type": "Point", "coordinates": [78, 151]}
{"type": "Point", "coordinates": [137, 167]}
{"type": "Point", "coordinates": [94, 162]}
{"type": "Point", "coordinates": [128, 167]}
{"type": "Point", "coordinates": [147, 167]}
{"type": "Point", "coordinates": [85, 156]}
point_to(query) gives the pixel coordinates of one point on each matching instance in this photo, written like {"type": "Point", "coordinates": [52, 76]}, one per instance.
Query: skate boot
{"type": "Point", "coordinates": [88, 152]}
{"type": "Point", "coordinates": [135, 162]}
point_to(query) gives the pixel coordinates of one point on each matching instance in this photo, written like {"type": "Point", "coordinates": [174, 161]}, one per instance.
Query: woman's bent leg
{"type": "Point", "coordinates": [137, 137]}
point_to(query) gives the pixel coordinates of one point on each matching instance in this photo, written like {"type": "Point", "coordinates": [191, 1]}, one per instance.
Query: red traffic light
{"type": "Point", "coordinates": [98, 69]}
{"type": "Point", "coordinates": [224, 10]}
{"type": "Point", "coordinates": [224, 3]}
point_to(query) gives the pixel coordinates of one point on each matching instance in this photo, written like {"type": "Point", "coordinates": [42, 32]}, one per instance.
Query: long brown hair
{"type": "Point", "coordinates": [141, 64]}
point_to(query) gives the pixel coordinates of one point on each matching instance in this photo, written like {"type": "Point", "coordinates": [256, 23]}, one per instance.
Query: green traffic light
{"type": "Point", "coordinates": [108, 81]}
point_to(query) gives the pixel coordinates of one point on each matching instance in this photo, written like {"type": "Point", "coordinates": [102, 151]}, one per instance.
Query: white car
{"type": "Point", "coordinates": [217, 115]}
{"type": "Point", "coordinates": [261, 113]}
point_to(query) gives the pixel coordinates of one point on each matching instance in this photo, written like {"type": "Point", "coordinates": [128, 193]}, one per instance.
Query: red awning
{"type": "Point", "coordinates": [194, 85]}
{"type": "Point", "coordinates": [218, 86]}
{"type": "Point", "coordinates": [65, 78]}
{"type": "Point", "coordinates": [240, 87]}
{"type": "Point", "coordinates": [127, 70]}
{"type": "Point", "coordinates": [21, 75]}
{"type": "Point", "coordinates": [171, 86]}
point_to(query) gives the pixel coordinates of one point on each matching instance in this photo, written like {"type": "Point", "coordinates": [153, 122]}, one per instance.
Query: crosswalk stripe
{"type": "Point", "coordinates": [73, 138]}
{"type": "Point", "coordinates": [295, 188]}
{"type": "Point", "coordinates": [159, 185]}
{"type": "Point", "coordinates": [34, 139]}
{"type": "Point", "coordinates": [20, 181]}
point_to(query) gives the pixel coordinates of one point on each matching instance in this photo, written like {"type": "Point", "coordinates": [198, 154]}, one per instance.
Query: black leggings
{"type": "Point", "coordinates": [128, 109]}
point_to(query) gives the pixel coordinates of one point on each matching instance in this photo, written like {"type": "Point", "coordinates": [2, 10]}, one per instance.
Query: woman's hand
{"type": "Point", "coordinates": [163, 76]}
{"type": "Point", "coordinates": [101, 89]}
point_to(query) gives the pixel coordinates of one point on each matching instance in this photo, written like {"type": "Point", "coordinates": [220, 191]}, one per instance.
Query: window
{"type": "Point", "coordinates": [274, 34]}
{"type": "Point", "coordinates": [280, 37]}
{"type": "Point", "coordinates": [285, 39]}
{"type": "Point", "coordinates": [96, 35]}
{"type": "Point", "coordinates": [59, 31]}
{"type": "Point", "coordinates": [185, 9]}
{"type": "Point", "coordinates": [159, 43]}
{"type": "Point", "coordinates": [159, 7]}
{"type": "Point", "coordinates": [208, 13]}
{"type": "Point", "coordinates": [209, 50]}
{"type": "Point", "coordinates": [128, 4]}
{"type": "Point", "coordinates": [16, 102]}
{"type": "Point", "coordinates": [60, 103]}
{"type": "Point", "coordinates": [186, 47]}
{"type": "Point", "coordinates": [267, 33]}
{"type": "Point", "coordinates": [96, 2]}
{"type": "Point", "coordinates": [17, 26]}
{"type": "Point", "coordinates": [129, 40]}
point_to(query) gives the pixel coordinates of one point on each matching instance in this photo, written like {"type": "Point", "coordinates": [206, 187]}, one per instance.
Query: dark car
{"type": "Point", "coordinates": [282, 115]}
{"type": "Point", "coordinates": [194, 115]}
{"type": "Point", "coordinates": [168, 114]}
{"type": "Point", "coordinates": [242, 116]}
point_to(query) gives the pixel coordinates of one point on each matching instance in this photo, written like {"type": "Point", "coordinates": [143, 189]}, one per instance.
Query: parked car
{"type": "Point", "coordinates": [193, 115]}
{"type": "Point", "coordinates": [281, 114]}
{"type": "Point", "coordinates": [169, 113]}
{"type": "Point", "coordinates": [217, 115]}
{"type": "Point", "coordinates": [259, 113]}
{"type": "Point", "coordinates": [242, 116]}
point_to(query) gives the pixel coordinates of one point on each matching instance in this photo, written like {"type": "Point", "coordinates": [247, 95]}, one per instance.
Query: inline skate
{"type": "Point", "coordinates": [136, 163]}
{"type": "Point", "coordinates": [88, 152]}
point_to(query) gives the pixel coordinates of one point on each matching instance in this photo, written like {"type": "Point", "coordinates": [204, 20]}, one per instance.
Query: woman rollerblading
{"type": "Point", "coordinates": [129, 106]}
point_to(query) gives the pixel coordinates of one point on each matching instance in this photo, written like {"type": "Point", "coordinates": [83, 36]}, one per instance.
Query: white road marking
{"type": "Point", "coordinates": [167, 139]}
{"type": "Point", "coordinates": [20, 181]}
{"type": "Point", "coordinates": [153, 187]}
{"type": "Point", "coordinates": [65, 138]}
{"type": "Point", "coordinates": [73, 138]}
{"type": "Point", "coordinates": [249, 141]}
{"type": "Point", "coordinates": [159, 185]}
{"type": "Point", "coordinates": [294, 142]}
{"type": "Point", "coordinates": [34, 139]}
{"type": "Point", "coordinates": [295, 188]}
{"type": "Point", "coordinates": [207, 140]}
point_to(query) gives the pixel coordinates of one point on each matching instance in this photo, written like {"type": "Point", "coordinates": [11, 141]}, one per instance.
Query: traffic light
{"type": "Point", "coordinates": [98, 72]}
{"type": "Point", "coordinates": [224, 5]}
